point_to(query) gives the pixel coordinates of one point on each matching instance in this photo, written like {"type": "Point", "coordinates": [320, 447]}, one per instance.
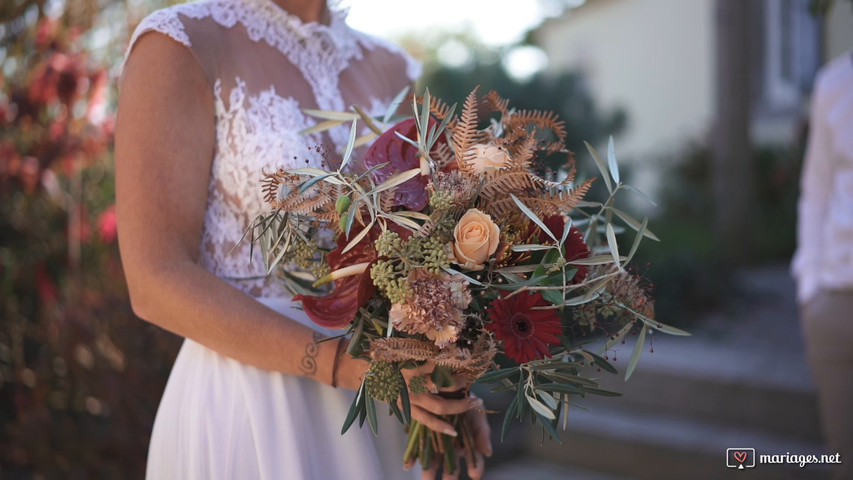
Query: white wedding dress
{"type": "Point", "coordinates": [219, 418]}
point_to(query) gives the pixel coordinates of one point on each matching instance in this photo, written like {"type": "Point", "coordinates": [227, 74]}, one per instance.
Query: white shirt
{"type": "Point", "coordinates": [824, 257]}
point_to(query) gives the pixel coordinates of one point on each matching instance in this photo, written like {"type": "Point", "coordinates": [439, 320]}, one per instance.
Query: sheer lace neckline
{"type": "Point", "coordinates": [277, 15]}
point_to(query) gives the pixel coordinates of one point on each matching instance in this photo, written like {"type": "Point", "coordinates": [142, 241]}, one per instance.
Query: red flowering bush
{"type": "Point", "coordinates": [80, 376]}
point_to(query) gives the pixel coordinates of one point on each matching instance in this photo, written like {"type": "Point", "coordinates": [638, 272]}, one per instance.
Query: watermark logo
{"type": "Point", "coordinates": [740, 458]}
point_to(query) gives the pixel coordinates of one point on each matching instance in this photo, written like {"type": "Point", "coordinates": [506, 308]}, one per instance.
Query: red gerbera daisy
{"type": "Point", "coordinates": [526, 333]}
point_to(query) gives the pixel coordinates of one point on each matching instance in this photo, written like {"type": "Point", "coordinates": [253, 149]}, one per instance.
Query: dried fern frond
{"type": "Point", "coordinates": [521, 151]}
{"type": "Point", "coordinates": [471, 363]}
{"type": "Point", "coordinates": [543, 203]}
{"type": "Point", "coordinates": [541, 119]}
{"type": "Point", "coordinates": [395, 349]}
{"type": "Point", "coordinates": [440, 110]}
{"type": "Point", "coordinates": [503, 182]}
{"type": "Point", "coordinates": [465, 134]}
{"type": "Point", "coordinates": [272, 184]}
{"type": "Point", "coordinates": [517, 124]}
{"type": "Point", "coordinates": [281, 191]}
{"type": "Point", "coordinates": [497, 104]}
{"type": "Point", "coordinates": [386, 200]}
{"type": "Point", "coordinates": [441, 155]}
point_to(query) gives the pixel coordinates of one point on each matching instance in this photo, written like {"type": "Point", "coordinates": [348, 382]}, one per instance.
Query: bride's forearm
{"type": "Point", "coordinates": [188, 300]}
{"type": "Point", "coordinates": [164, 148]}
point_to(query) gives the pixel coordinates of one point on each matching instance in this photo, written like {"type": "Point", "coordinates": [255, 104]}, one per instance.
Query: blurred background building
{"type": "Point", "coordinates": [657, 60]}
{"type": "Point", "coordinates": [706, 100]}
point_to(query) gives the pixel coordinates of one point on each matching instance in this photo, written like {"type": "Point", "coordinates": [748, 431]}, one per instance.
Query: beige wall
{"type": "Point", "coordinates": [652, 57]}
{"type": "Point", "coordinates": [838, 32]}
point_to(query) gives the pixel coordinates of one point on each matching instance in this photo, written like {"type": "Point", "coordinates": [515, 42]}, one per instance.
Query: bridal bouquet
{"type": "Point", "coordinates": [452, 250]}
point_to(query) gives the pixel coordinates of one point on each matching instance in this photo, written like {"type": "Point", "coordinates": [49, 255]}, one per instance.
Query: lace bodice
{"type": "Point", "coordinates": [264, 66]}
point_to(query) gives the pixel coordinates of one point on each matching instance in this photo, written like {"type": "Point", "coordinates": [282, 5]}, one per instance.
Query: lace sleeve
{"type": "Point", "coordinates": [181, 23]}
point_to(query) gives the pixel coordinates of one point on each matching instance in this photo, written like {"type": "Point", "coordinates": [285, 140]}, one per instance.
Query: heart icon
{"type": "Point", "coordinates": [740, 456]}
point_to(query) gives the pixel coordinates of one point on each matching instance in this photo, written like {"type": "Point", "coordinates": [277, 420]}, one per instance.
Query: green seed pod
{"type": "Point", "coordinates": [344, 221]}
{"type": "Point", "coordinates": [343, 203]}
{"type": "Point", "coordinates": [383, 381]}
{"type": "Point", "coordinates": [418, 385]}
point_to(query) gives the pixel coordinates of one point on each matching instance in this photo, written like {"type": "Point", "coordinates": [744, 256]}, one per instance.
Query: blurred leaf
{"type": "Point", "coordinates": [601, 166]}
{"type": "Point", "coordinates": [395, 103]}
{"type": "Point", "coordinates": [533, 217]}
{"type": "Point", "coordinates": [397, 180]}
{"type": "Point", "coordinates": [611, 242]}
{"type": "Point", "coordinates": [601, 362]}
{"type": "Point", "coordinates": [539, 407]}
{"type": "Point", "coordinates": [321, 127]}
{"type": "Point", "coordinates": [633, 223]}
{"type": "Point", "coordinates": [497, 375]}
{"type": "Point", "coordinates": [371, 416]}
{"type": "Point", "coordinates": [635, 355]}
{"type": "Point", "coordinates": [641, 195]}
{"type": "Point", "coordinates": [350, 145]}
{"type": "Point", "coordinates": [331, 115]}
{"type": "Point", "coordinates": [611, 160]}
{"type": "Point", "coordinates": [442, 377]}
{"type": "Point", "coordinates": [355, 407]}
{"type": "Point", "coordinates": [637, 240]}
{"type": "Point", "coordinates": [597, 260]}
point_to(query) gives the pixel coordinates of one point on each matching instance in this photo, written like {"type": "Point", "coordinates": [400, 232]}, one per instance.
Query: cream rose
{"type": "Point", "coordinates": [480, 157]}
{"type": "Point", "coordinates": [475, 239]}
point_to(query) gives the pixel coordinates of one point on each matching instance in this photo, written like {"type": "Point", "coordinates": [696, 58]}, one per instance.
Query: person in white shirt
{"type": "Point", "coordinates": [823, 263]}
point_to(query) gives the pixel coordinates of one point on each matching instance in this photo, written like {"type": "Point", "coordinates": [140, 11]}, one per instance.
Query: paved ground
{"type": "Point", "coordinates": [526, 468]}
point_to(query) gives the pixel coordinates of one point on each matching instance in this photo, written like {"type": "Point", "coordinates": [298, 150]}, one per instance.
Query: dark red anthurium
{"type": "Point", "coordinates": [401, 156]}
{"type": "Point", "coordinates": [337, 308]}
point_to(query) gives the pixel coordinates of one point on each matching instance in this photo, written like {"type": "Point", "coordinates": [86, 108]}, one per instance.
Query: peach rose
{"type": "Point", "coordinates": [481, 157]}
{"type": "Point", "coordinates": [475, 240]}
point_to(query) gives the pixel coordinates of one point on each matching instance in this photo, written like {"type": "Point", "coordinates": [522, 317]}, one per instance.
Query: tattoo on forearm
{"type": "Point", "coordinates": [308, 364]}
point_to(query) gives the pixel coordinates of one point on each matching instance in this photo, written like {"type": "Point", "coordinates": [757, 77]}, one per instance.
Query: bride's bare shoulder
{"type": "Point", "coordinates": [164, 89]}
{"type": "Point", "coordinates": [179, 37]}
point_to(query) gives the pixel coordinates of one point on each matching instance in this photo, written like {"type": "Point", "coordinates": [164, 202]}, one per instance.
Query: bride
{"type": "Point", "coordinates": [211, 95]}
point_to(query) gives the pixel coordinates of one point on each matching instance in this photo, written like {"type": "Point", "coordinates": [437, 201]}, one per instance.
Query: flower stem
{"type": "Point", "coordinates": [413, 443]}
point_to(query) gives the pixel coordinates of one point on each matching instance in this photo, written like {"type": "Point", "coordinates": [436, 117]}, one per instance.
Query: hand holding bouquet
{"type": "Point", "coordinates": [456, 262]}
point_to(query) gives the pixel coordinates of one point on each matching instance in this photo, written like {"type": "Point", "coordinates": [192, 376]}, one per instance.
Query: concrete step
{"type": "Point", "coordinates": [747, 403]}
{"type": "Point", "coordinates": [665, 447]}
{"type": "Point", "coordinates": [529, 468]}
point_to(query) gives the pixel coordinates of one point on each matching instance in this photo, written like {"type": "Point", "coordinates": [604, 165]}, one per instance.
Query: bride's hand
{"type": "Point", "coordinates": [481, 433]}
{"type": "Point", "coordinates": [426, 407]}
{"type": "Point", "coordinates": [482, 439]}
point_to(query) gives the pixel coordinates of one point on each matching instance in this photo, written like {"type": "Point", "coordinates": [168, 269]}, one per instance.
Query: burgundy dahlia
{"type": "Point", "coordinates": [525, 332]}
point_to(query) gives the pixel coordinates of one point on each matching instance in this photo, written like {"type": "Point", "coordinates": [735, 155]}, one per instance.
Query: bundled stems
{"type": "Point", "coordinates": [424, 444]}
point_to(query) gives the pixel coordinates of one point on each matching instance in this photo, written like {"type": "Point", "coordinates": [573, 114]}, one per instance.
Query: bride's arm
{"type": "Point", "coordinates": [165, 137]}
